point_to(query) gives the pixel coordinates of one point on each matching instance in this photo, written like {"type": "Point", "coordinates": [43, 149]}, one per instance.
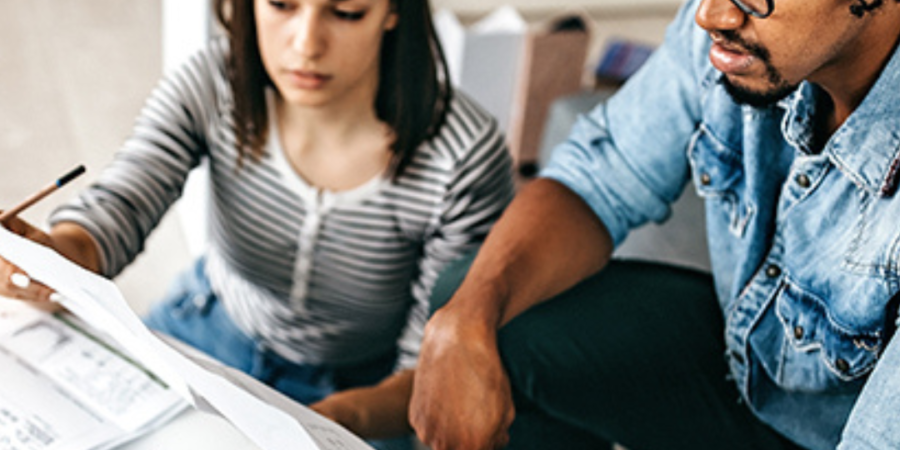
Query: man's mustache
{"type": "Point", "coordinates": [732, 38]}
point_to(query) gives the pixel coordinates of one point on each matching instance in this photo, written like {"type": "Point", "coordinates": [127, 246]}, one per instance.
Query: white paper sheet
{"type": "Point", "coordinates": [63, 388]}
{"type": "Point", "coordinates": [98, 302]}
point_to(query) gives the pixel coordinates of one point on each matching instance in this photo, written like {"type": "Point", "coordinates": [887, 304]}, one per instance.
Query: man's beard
{"type": "Point", "coordinates": [761, 98]}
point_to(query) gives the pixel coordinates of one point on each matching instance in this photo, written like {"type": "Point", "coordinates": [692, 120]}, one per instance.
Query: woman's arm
{"type": "Point", "coordinates": [68, 239]}
{"type": "Point", "coordinates": [75, 243]}
{"type": "Point", "coordinates": [375, 412]}
{"type": "Point", "coordinates": [171, 136]}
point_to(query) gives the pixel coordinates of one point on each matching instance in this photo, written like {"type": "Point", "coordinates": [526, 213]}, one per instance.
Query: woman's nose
{"type": "Point", "coordinates": [308, 35]}
{"type": "Point", "coordinates": [713, 15]}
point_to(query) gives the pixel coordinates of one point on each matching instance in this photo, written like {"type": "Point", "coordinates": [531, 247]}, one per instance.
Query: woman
{"type": "Point", "coordinates": [345, 174]}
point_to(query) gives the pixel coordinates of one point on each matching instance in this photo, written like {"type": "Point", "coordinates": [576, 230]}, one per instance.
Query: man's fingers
{"type": "Point", "coordinates": [501, 440]}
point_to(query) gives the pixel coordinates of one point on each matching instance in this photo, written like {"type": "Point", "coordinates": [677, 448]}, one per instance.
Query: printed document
{"type": "Point", "coordinates": [98, 302]}
{"type": "Point", "coordinates": [64, 387]}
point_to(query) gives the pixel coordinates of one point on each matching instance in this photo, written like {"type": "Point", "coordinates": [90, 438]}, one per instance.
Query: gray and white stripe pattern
{"type": "Point", "coordinates": [334, 278]}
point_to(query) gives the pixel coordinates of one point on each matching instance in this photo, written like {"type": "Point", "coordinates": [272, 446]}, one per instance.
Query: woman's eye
{"type": "Point", "coordinates": [280, 6]}
{"type": "Point", "coordinates": [349, 15]}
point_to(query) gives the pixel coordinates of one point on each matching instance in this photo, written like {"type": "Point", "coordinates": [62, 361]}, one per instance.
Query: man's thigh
{"type": "Point", "coordinates": [634, 354]}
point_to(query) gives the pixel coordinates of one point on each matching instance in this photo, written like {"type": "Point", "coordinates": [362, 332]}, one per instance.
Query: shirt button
{"type": "Point", "coordinates": [798, 332]}
{"type": "Point", "coordinates": [705, 179]}
{"type": "Point", "coordinates": [842, 365]}
{"type": "Point", "coordinates": [803, 180]}
{"type": "Point", "coordinates": [773, 271]}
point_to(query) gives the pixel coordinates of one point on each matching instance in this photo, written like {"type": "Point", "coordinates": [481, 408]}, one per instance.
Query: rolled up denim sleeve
{"type": "Point", "coordinates": [627, 158]}
{"type": "Point", "coordinates": [873, 422]}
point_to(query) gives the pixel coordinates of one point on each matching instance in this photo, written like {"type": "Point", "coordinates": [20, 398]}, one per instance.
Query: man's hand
{"type": "Point", "coordinates": [461, 396]}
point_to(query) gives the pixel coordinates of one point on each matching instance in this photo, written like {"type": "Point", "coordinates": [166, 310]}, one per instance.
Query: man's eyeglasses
{"type": "Point", "coordinates": [756, 8]}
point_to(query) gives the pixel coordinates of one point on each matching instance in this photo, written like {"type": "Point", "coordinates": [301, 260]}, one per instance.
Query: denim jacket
{"type": "Point", "coordinates": [805, 246]}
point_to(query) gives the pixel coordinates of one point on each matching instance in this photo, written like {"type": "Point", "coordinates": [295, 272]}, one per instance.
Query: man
{"type": "Point", "coordinates": [786, 114]}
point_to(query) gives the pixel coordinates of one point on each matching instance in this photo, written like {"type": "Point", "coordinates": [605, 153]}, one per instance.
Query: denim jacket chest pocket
{"type": "Point", "coordinates": [718, 176]}
{"type": "Point", "coordinates": [820, 351]}
{"type": "Point", "coordinates": [875, 248]}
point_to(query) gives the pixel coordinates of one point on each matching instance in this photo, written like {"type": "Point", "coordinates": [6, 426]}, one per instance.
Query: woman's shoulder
{"type": "Point", "coordinates": [467, 128]}
{"type": "Point", "coordinates": [208, 63]}
{"type": "Point", "coordinates": [214, 57]}
{"type": "Point", "coordinates": [202, 78]}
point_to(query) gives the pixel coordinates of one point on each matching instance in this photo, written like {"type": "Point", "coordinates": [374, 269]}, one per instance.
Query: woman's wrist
{"type": "Point", "coordinates": [372, 412]}
{"type": "Point", "coordinates": [75, 243]}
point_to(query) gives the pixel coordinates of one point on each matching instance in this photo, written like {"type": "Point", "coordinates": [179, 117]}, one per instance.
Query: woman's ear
{"type": "Point", "coordinates": [390, 22]}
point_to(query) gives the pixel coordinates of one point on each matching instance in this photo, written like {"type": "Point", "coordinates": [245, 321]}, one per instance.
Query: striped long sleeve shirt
{"type": "Point", "coordinates": [320, 277]}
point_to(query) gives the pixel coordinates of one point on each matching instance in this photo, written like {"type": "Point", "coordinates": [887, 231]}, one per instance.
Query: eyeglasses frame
{"type": "Point", "coordinates": [747, 10]}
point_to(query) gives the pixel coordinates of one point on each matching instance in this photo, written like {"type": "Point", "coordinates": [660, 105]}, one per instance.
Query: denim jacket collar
{"type": "Point", "coordinates": [867, 146]}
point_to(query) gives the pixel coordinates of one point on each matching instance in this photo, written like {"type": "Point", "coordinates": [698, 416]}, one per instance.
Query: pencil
{"type": "Point", "coordinates": [37, 196]}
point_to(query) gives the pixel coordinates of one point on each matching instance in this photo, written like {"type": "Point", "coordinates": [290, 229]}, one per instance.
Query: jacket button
{"type": "Point", "coordinates": [798, 332]}
{"type": "Point", "coordinates": [705, 179]}
{"type": "Point", "coordinates": [773, 271]}
{"type": "Point", "coordinates": [803, 181]}
{"type": "Point", "coordinates": [842, 365]}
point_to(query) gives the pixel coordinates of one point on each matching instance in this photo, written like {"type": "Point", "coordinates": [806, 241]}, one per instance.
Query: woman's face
{"type": "Point", "coordinates": [323, 52]}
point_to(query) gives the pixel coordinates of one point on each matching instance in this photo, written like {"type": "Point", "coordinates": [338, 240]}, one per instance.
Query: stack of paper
{"type": "Point", "coordinates": [67, 388]}
{"type": "Point", "coordinates": [99, 303]}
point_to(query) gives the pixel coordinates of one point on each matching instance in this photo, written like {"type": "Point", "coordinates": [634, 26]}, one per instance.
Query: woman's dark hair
{"type": "Point", "coordinates": [414, 85]}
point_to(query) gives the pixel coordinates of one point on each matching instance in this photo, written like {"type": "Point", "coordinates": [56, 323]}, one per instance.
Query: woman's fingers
{"type": "Point", "coordinates": [20, 280]}
{"type": "Point", "coordinates": [16, 284]}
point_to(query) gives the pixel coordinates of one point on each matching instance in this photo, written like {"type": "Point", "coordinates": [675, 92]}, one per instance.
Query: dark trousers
{"type": "Point", "coordinates": [633, 355]}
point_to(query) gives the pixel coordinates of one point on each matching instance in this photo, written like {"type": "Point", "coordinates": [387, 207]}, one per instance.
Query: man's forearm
{"type": "Point", "coordinates": [547, 241]}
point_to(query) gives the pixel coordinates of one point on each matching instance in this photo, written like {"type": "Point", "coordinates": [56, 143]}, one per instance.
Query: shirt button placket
{"type": "Point", "coordinates": [306, 244]}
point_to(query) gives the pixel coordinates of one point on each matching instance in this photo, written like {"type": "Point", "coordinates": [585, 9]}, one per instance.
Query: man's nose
{"type": "Point", "coordinates": [717, 15]}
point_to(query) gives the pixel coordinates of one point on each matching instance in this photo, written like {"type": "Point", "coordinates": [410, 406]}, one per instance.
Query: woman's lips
{"type": "Point", "coordinates": [307, 80]}
{"type": "Point", "coordinates": [730, 60]}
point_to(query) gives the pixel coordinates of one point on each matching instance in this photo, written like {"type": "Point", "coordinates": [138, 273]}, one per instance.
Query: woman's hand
{"type": "Point", "coordinates": [14, 283]}
{"type": "Point", "coordinates": [376, 412]}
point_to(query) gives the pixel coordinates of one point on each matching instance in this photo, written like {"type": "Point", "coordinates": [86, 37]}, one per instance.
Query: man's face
{"type": "Point", "coordinates": [765, 59]}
